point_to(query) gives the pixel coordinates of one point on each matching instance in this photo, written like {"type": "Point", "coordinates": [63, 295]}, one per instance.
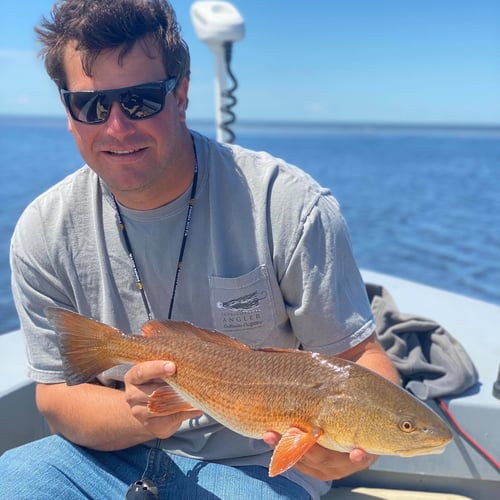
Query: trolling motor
{"type": "Point", "coordinates": [219, 24]}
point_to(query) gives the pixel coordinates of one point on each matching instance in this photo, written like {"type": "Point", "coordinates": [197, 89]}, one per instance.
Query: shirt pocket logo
{"type": "Point", "coordinates": [245, 302]}
{"type": "Point", "coordinates": [243, 305]}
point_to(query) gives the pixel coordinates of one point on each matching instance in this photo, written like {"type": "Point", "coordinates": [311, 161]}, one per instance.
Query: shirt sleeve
{"type": "Point", "coordinates": [325, 295]}
{"type": "Point", "coordinates": [35, 286]}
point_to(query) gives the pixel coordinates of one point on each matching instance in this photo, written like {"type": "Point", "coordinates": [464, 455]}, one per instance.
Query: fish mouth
{"type": "Point", "coordinates": [434, 450]}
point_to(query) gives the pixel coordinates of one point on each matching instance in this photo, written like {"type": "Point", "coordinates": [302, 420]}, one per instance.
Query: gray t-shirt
{"type": "Point", "coordinates": [268, 261]}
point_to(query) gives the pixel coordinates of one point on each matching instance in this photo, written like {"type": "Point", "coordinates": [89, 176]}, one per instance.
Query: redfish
{"type": "Point", "coordinates": [306, 397]}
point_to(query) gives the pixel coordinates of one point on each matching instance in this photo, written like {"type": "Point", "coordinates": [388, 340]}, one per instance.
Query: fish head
{"type": "Point", "coordinates": [416, 432]}
{"type": "Point", "coordinates": [392, 424]}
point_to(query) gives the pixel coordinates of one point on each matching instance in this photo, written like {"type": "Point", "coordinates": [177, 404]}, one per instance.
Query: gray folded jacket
{"type": "Point", "coordinates": [431, 363]}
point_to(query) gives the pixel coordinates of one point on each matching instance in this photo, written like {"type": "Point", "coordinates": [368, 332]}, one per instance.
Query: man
{"type": "Point", "coordinates": [163, 222]}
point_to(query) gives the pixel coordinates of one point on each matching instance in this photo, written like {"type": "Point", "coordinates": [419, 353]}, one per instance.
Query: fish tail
{"type": "Point", "coordinates": [87, 346]}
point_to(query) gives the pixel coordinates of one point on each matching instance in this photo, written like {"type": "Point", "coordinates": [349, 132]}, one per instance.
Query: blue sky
{"type": "Point", "coordinates": [387, 61]}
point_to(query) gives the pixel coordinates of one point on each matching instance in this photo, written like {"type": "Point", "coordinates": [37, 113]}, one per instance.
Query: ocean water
{"type": "Point", "coordinates": [421, 203]}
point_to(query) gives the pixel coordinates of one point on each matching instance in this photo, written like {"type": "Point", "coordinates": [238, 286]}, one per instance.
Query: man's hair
{"type": "Point", "coordinates": [100, 25]}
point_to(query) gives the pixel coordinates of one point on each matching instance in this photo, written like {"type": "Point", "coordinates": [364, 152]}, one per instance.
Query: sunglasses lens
{"type": "Point", "coordinates": [136, 102]}
{"type": "Point", "coordinates": [143, 101]}
{"type": "Point", "coordinates": [88, 107]}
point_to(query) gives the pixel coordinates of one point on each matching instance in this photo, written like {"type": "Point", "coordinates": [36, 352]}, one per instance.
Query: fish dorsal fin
{"type": "Point", "coordinates": [293, 445]}
{"type": "Point", "coordinates": [156, 328]}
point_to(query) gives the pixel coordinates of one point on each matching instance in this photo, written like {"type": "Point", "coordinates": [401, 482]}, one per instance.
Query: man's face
{"type": "Point", "coordinates": [140, 160]}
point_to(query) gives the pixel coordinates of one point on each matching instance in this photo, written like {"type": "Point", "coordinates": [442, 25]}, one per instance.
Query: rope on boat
{"type": "Point", "coordinates": [447, 412]}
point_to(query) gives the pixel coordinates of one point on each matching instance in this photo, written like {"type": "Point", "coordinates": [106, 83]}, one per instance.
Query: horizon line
{"type": "Point", "coordinates": [287, 123]}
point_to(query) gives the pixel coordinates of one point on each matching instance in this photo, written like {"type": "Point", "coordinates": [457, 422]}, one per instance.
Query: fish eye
{"type": "Point", "coordinates": [406, 425]}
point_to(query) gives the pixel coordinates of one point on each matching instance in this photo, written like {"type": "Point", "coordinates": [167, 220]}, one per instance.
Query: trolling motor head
{"type": "Point", "coordinates": [217, 22]}
{"type": "Point", "coordinates": [219, 25]}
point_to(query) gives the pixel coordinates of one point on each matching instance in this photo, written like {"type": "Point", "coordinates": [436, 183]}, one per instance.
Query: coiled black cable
{"type": "Point", "coordinates": [228, 98]}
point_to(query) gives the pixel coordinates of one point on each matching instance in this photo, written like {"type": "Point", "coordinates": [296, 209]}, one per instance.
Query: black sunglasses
{"type": "Point", "coordinates": [137, 102]}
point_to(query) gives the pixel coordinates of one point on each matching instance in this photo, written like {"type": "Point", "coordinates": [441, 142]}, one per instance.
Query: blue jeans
{"type": "Point", "coordinates": [56, 468]}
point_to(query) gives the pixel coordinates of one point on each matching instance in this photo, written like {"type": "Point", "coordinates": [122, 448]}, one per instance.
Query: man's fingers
{"type": "Point", "coordinates": [358, 456]}
{"type": "Point", "coordinates": [149, 371]}
{"type": "Point", "coordinates": [272, 438]}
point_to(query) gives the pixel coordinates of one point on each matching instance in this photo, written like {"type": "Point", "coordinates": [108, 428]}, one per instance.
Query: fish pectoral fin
{"type": "Point", "coordinates": [166, 401]}
{"type": "Point", "coordinates": [293, 445]}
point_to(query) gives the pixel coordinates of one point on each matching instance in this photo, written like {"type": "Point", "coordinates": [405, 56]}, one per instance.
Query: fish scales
{"type": "Point", "coordinates": [244, 399]}
{"type": "Point", "coordinates": [325, 399]}
{"type": "Point", "coordinates": [244, 387]}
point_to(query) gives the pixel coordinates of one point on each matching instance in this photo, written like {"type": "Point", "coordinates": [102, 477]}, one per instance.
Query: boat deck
{"type": "Point", "coordinates": [460, 470]}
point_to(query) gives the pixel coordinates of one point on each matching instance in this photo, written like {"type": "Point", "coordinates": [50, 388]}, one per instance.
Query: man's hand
{"type": "Point", "coordinates": [140, 382]}
{"type": "Point", "coordinates": [327, 465]}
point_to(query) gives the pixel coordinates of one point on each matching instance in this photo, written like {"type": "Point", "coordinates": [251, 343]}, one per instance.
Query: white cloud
{"type": "Point", "coordinates": [317, 109]}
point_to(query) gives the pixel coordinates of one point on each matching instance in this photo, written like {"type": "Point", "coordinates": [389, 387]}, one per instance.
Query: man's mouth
{"type": "Point", "coordinates": [125, 152]}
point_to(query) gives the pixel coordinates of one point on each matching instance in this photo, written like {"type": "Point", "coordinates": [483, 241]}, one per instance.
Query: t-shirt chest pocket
{"type": "Point", "coordinates": [243, 306]}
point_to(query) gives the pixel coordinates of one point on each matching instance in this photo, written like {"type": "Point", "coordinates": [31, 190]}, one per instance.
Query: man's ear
{"type": "Point", "coordinates": [181, 95]}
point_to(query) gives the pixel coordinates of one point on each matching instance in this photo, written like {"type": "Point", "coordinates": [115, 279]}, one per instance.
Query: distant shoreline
{"type": "Point", "coordinates": [289, 125]}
